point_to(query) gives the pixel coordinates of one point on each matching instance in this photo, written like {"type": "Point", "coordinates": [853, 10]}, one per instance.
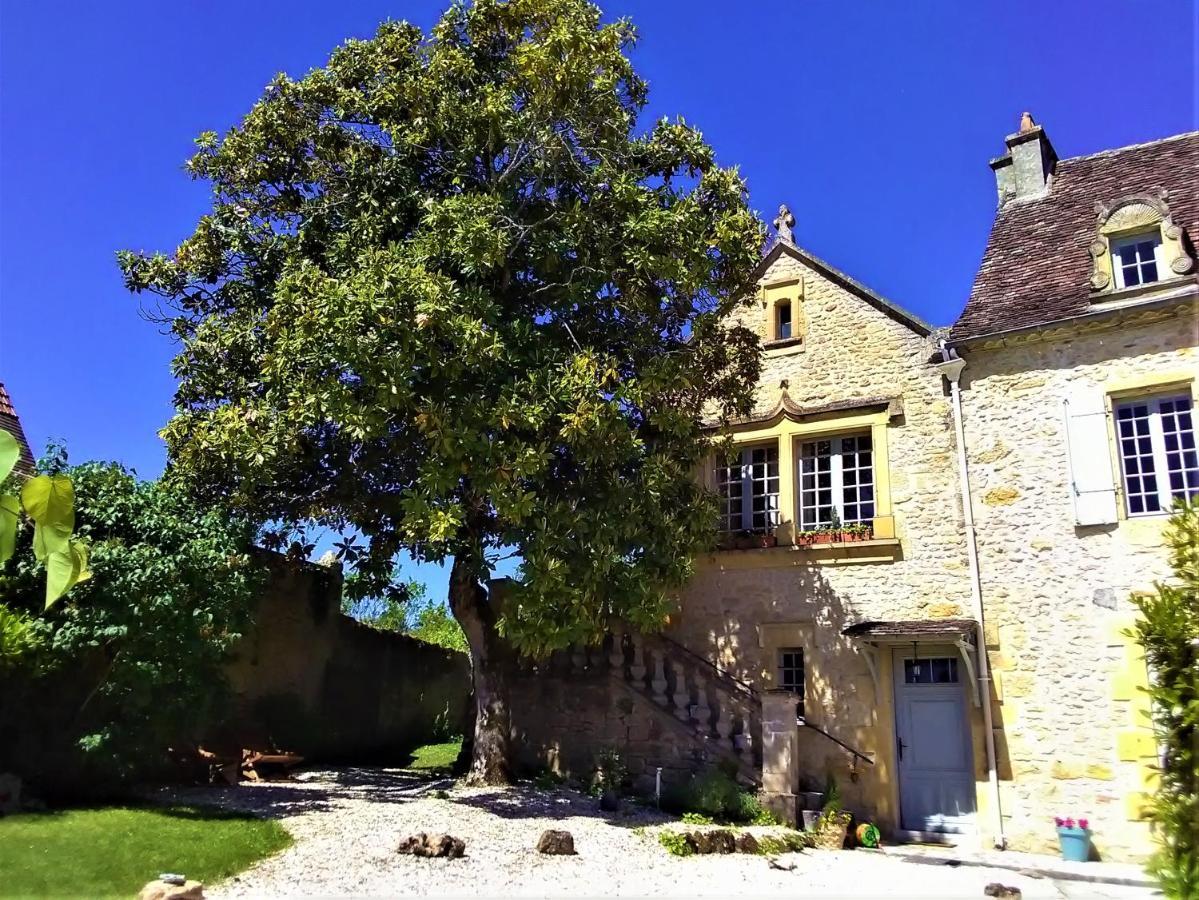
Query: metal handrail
{"type": "Point", "coordinates": [803, 723]}
{"type": "Point", "coordinates": [733, 682]}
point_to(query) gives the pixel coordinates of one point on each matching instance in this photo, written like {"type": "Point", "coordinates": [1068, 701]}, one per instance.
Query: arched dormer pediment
{"type": "Point", "coordinates": [1124, 221]}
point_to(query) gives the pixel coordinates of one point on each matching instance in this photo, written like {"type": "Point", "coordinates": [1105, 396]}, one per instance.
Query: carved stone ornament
{"type": "Point", "coordinates": [1129, 215]}
{"type": "Point", "coordinates": [784, 223]}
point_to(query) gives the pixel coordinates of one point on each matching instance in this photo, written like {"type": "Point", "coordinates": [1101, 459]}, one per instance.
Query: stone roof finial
{"type": "Point", "coordinates": [784, 223]}
{"type": "Point", "coordinates": [1027, 123]}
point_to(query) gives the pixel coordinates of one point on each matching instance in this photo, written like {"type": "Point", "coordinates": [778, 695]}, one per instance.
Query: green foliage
{"type": "Point", "coordinates": [676, 843]}
{"type": "Point", "coordinates": [135, 661]}
{"type": "Point", "coordinates": [49, 501]}
{"type": "Point", "coordinates": [413, 613]}
{"type": "Point", "coordinates": [19, 638]}
{"type": "Point", "coordinates": [1168, 630]}
{"type": "Point", "coordinates": [449, 296]}
{"type": "Point", "coordinates": [787, 842]}
{"type": "Point", "coordinates": [113, 852]}
{"type": "Point", "coordinates": [697, 819]}
{"type": "Point", "coordinates": [763, 816]}
{"type": "Point", "coordinates": [611, 771]}
{"type": "Point", "coordinates": [714, 795]}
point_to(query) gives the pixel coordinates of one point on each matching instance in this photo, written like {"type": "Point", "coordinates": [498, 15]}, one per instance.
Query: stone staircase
{"type": "Point", "coordinates": [719, 714]}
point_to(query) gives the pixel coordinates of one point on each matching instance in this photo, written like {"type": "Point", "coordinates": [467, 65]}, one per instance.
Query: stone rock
{"type": "Point", "coordinates": [1002, 891]}
{"type": "Point", "coordinates": [556, 842]}
{"type": "Point", "coordinates": [719, 840]}
{"type": "Point", "coordinates": [435, 845]}
{"type": "Point", "coordinates": [164, 890]}
{"type": "Point", "coordinates": [747, 843]}
{"type": "Point", "coordinates": [10, 793]}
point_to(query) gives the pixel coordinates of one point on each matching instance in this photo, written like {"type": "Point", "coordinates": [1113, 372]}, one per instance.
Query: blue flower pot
{"type": "Point", "coordinates": [1075, 844]}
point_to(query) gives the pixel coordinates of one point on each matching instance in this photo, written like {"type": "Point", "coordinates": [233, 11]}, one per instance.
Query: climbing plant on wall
{"type": "Point", "coordinates": [1168, 630]}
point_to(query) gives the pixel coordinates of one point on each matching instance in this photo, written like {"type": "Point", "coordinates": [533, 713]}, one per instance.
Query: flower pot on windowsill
{"type": "Point", "coordinates": [808, 538]}
{"type": "Point", "coordinates": [757, 541]}
{"type": "Point", "coordinates": [850, 537]}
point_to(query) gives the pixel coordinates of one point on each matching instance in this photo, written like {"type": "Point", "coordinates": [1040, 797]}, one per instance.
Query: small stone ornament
{"type": "Point", "coordinates": [784, 223]}
{"type": "Point", "coordinates": [172, 878]}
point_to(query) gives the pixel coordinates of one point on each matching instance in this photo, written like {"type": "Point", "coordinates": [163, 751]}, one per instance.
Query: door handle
{"type": "Point", "coordinates": [899, 745]}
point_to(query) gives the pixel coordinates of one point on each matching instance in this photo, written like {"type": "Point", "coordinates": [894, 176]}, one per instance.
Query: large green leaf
{"type": "Point", "coordinates": [10, 452]}
{"type": "Point", "coordinates": [62, 573]}
{"type": "Point", "coordinates": [79, 550]}
{"type": "Point", "coordinates": [50, 500]}
{"type": "Point", "coordinates": [10, 509]}
{"type": "Point", "coordinates": [49, 539]}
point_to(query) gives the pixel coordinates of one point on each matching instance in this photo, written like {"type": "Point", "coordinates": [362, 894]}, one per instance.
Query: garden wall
{"type": "Point", "coordinates": [309, 679]}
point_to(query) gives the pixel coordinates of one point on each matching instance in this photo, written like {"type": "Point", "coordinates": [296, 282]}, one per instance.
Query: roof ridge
{"type": "Point", "coordinates": [1112, 151]}
{"type": "Point", "coordinates": [889, 307]}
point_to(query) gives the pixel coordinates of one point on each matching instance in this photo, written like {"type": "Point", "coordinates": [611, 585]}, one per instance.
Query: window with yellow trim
{"type": "Point", "coordinates": [748, 490]}
{"type": "Point", "coordinates": [836, 481]}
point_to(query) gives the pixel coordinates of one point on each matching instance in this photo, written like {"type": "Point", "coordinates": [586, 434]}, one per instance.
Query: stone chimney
{"type": "Point", "coordinates": [1025, 169]}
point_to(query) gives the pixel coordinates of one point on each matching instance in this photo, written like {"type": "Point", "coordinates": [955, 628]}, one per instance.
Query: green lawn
{"type": "Point", "coordinates": [113, 851]}
{"type": "Point", "coordinates": [435, 757]}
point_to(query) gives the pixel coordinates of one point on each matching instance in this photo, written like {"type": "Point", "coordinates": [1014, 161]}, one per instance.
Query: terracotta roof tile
{"type": "Point", "coordinates": [1036, 267]}
{"type": "Point", "coordinates": [10, 422]}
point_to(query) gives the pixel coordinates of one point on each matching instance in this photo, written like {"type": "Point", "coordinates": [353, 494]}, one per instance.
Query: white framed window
{"type": "Point", "coordinates": [749, 491]}
{"type": "Point", "coordinates": [782, 325]}
{"type": "Point", "coordinates": [836, 481]}
{"type": "Point", "coordinates": [1158, 458]}
{"type": "Point", "coordinates": [791, 673]}
{"type": "Point", "coordinates": [1134, 259]}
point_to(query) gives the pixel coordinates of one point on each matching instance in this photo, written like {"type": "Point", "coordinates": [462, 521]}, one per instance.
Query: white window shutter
{"type": "Point", "coordinates": [1092, 483]}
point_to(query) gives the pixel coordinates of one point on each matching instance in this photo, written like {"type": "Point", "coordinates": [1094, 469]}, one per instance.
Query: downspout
{"type": "Point", "coordinates": [951, 367]}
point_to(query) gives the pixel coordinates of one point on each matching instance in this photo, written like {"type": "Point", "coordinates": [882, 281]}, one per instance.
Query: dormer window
{"type": "Point", "coordinates": [1134, 259]}
{"type": "Point", "coordinates": [1136, 243]}
{"type": "Point", "coordinates": [782, 313]}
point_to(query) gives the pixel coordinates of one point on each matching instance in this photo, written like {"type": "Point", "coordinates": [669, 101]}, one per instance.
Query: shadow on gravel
{"type": "Point", "coordinates": [313, 791]}
{"type": "Point", "coordinates": [530, 803]}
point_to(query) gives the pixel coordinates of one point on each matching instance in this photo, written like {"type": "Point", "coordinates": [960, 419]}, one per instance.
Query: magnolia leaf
{"type": "Point", "coordinates": [50, 500]}
{"type": "Point", "coordinates": [10, 509]}
{"type": "Point", "coordinates": [49, 539]}
{"type": "Point", "coordinates": [62, 572]}
{"type": "Point", "coordinates": [79, 551]}
{"type": "Point", "coordinates": [10, 452]}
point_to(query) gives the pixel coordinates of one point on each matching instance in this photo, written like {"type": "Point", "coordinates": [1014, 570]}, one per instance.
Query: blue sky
{"type": "Point", "coordinates": [873, 120]}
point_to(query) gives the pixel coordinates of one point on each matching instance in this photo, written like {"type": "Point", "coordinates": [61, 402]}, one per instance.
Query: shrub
{"type": "Point", "coordinates": [697, 819]}
{"type": "Point", "coordinates": [788, 842]}
{"type": "Point", "coordinates": [131, 661]}
{"type": "Point", "coordinates": [714, 794]}
{"type": "Point", "coordinates": [1168, 630]}
{"type": "Point", "coordinates": [676, 843]}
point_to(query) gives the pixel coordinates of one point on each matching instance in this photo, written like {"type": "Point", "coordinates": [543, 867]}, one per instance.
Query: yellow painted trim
{"type": "Point", "coordinates": [788, 290]}
{"type": "Point", "coordinates": [1157, 382]}
{"type": "Point", "coordinates": [1133, 744]}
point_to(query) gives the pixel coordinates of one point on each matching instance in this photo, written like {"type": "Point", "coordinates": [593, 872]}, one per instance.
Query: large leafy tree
{"type": "Point", "coordinates": [449, 297]}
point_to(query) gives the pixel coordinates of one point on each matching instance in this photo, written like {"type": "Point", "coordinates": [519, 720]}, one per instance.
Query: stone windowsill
{"type": "Point", "coordinates": [873, 550]}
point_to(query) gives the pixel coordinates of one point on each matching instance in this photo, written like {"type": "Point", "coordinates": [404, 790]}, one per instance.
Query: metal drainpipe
{"type": "Point", "coordinates": [951, 368]}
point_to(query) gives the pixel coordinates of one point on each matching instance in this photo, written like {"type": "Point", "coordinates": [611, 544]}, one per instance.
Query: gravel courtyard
{"type": "Point", "coordinates": [347, 824]}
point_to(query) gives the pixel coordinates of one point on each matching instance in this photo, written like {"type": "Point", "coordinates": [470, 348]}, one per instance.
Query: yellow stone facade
{"type": "Point", "coordinates": [1069, 718]}
{"type": "Point", "coordinates": [1069, 679]}
{"type": "Point", "coordinates": [743, 605]}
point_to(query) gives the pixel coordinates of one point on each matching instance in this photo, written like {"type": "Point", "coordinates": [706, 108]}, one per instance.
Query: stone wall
{"type": "Point", "coordinates": [310, 679]}
{"type": "Point", "coordinates": [563, 719]}
{"type": "Point", "coordinates": [1056, 594]}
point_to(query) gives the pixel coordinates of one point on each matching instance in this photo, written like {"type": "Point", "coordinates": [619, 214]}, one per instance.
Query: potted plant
{"type": "Point", "coordinates": [609, 778]}
{"type": "Point", "coordinates": [859, 531]}
{"type": "Point", "coordinates": [833, 822]}
{"type": "Point", "coordinates": [1074, 838]}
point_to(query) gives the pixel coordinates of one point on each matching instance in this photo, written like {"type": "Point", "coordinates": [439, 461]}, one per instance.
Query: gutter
{"type": "Point", "coordinates": [951, 368]}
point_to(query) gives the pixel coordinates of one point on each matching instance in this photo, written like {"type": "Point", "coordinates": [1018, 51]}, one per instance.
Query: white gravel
{"type": "Point", "coordinates": [348, 822]}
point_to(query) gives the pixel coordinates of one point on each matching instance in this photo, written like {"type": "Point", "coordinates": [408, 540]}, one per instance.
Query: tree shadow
{"type": "Point", "coordinates": [525, 802]}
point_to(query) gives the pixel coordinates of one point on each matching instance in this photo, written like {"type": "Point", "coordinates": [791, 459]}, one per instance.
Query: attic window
{"type": "Point", "coordinates": [1134, 259]}
{"type": "Point", "coordinates": [782, 312]}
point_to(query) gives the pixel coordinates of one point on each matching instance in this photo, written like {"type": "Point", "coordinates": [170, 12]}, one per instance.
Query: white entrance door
{"type": "Point", "coordinates": [932, 742]}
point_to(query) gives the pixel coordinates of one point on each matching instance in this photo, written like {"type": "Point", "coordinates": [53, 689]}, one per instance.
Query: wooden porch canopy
{"type": "Point", "coordinates": [874, 635]}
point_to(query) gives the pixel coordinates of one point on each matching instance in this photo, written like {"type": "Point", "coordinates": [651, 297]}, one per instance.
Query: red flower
{"type": "Point", "coordinates": [1058, 821]}
{"type": "Point", "coordinates": [1083, 824]}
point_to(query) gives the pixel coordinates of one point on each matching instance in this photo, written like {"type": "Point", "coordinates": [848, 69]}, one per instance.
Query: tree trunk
{"type": "Point", "coordinates": [490, 763]}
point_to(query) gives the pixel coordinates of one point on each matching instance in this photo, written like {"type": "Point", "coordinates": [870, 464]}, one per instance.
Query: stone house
{"type": "Point", "coordinates": [903, 495]}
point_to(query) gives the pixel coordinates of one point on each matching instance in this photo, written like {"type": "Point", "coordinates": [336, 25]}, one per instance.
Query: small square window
{"type": "Point", "coordinates": [1134, 259]}
{"type": "Point", "coordinates": [791, 674]}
